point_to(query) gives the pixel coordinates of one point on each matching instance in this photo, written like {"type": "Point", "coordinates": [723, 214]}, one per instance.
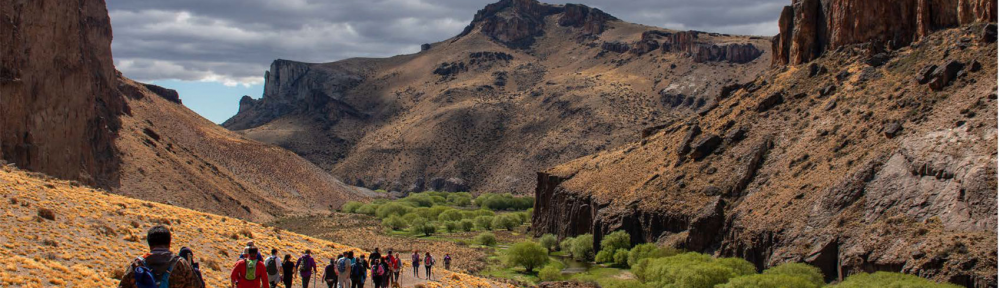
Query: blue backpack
{"type": "Point", "coordinates": [146, 277]}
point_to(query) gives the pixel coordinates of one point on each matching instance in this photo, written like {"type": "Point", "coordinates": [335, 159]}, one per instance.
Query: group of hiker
{"type": "Point", "coordinates": [160, 268]}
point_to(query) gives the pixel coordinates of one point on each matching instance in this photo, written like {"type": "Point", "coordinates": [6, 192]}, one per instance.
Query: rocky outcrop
{"type": "Point", "coordinates": [616, 47]}
{"type": "Point", "coordinates": [292, 87]}
{"type": "Point", "coordinates": [168, 94]}
{"type": "Point", "coordinates": [516, 23]}
{"type": "Point", "coordinates": [808, 28]}
{"type": "Point", "coordinates": [687, 42]}
{"type": "Point", "coordinates": [64, 125]}
{"type": "Point", "coordinates": [733, 53]}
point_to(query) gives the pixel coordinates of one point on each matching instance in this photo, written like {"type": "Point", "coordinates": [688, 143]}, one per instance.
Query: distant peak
{"type": "Point", "coordinates": [516, 23]}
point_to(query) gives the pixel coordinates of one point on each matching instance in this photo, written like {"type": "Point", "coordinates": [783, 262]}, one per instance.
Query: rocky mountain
{"type": "Point", "coordinates": [874, 150]}
{"type": "Point", "coordinates": [525, 86]}
{"type": "Point", "coordinates": [66, 112]}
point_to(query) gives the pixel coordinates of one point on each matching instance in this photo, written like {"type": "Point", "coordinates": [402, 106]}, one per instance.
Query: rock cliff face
{"type": "Point", "coordinates": [516, 23]}
{"type": "Point", "coordinates": [59, 107]}
{"type": "Point", "coordinates": [856, 164]}
{"type": "Point", "coordinates": [703, 51]}
{"type": "Point", "coordinates": [809, 28]}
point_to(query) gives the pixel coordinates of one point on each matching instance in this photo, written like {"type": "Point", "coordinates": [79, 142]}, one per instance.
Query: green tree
{"type": "Point", "coordinates": [422, 226]}
{"type": "Point", "coordinates": [527, 254]}
{"type": "Point", "coordinates": [691, 269]}
{"type": "Point", "coordinates": [451, 226]}
{"type": "Point", "coordinates": [368, 209]}
{"type": "Point", "coordinates": [551, 272]}
{"type": "Point", "coordinates": [351, 206]}
{"type": "Point", "coordinates": [390, 209]}
{"type": "Point", "coordinates": [621, 258]}
{"type": "Point", "coordinates": [486, 239]}
{"type": "Point", "coordinates": [506, 221]}
{"type": "Point", "coordinates": [788, 275]}
{"type": "Point", "coordinates": [616, 240]}
{"type": "Point", "coordinates": [484, 222]}
{"type": "Point", "coordinates": [889, 279]}
{"type": "Point", "coordinates": [648, 250]}
{"type": "Point", "coordinates": [394, 222]}
{"type": "Point", "coordinates": [583, 247]}
{"type": "Point", "coordinates": [549, 242]}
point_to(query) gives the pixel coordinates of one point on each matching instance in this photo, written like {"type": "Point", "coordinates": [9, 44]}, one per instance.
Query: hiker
{"type": "Point", "coordinates": [247, 272]}
{"type": "Point", "coordinates": [306, 266]}
{"type": "Point", "coordinates": [329, 273]}
{"type": "Point", "coordinates": [359, 272]}
{"type": "Point", "coordinates": [243, 254]}
{"type": "Point", "coordinates": [395, 264]}
{"type": "Point", "coordinates": [188, 255]}
{"type": "Point", "coordinates": [386, 273]}
{"type": "Point", "coordinates": [447, 261]}
{"type": "Point", "coordinates": [377, 272]}
{"type": "Point", "coordinates": [428, 263]}
{"type": "Point", "coordinates": [288, 271]}
{"type": "Point", "coordinates": [159, 265]}
{"type": "Point", "coordinates": [272, 264]}
{"type": "Point", "coordinates": [375, 255]}
{"type": "Point", "coordinates": [344, 270]}
{"type": "Point", "coordinates": [416, 264]}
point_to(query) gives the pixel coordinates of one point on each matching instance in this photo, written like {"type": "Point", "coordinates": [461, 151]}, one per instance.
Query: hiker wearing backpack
{"type": "Point", "coordinates": [243, 253]}
{"type": "Point", "coordinates": [307, 267]}
{"type": "Point", "coordinates": [395, 264]}
{"type": "Point", "coordinates": [428, 263]}
{"type": "Point", "coordinates": [378, 272]}
{"type": "Point", "coordinates": [188, 255]}
{"type": "Point", "coordinates": [359, 272]}
{"type": "Point", "coordinates": [344, 270]}
{"type": "Point", "coordinates": [159, 268]}
{"type": "Point", "coordinates": [272, 264]}
{"type": "Point", "coordinates": [416, 263]}
{"type": "Point", "coordinates": [447, 261]}
{"type": "Point", "coordinates": [329, 273]}
{"type": "Point", "coordinates": [288, 271]}
{"type": "Point", "coordinates": [248, 273]}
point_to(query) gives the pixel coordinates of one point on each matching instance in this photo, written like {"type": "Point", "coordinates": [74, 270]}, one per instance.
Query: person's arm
{"type": "Point", "coordinates": [128, 280]}
{"type": "Point", "coordinates": [235, 275]}
{"type": "Point", "coordinates": [266, 283]}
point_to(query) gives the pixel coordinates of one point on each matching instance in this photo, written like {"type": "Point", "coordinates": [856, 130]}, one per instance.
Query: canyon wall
{"type": "Point", "coordinates": [59, 106]}
{"type": "Point", "coordinates": [809, 28]}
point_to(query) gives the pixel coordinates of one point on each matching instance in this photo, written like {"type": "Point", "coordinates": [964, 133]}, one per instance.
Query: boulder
{"type": "Point", "coordinates": [989, 34]}
{"type": "Point", "coordinates": [924, 75]}
{"type": "Point", "coordinates": [944, 75]}
{"type": "Point", "coordinates": [425, 47]}
{"type": "Point", "coordinates": [705, 146]}
{"type": "Point", "coordinates": [774, 99]}
{"type": "Point", "coordinates": [685, 146]}
{"type": "Point", "coordinates": [891, 129]}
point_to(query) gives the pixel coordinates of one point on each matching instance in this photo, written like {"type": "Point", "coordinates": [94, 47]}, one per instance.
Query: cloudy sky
{"type": "Point", "coordinates": [215, 51]}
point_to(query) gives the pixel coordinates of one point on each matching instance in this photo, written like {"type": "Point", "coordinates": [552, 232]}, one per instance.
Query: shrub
{"type": "Point", "coordinates": [621, 258]}
{"type": "Point", "coordinates": [409, 217]}
{"type": "Point", "coordinates": [466, 225]}
{"type": "Point", "coordinates": [486, 239]}
{"type": "Point", "coordinates": [422, 226]}
{"type": "Point", "coordinates": [507, 201]}
{"type": "Point", "coordinates": [395, 222]}
{"type": "Point", "coordinates": [527, 254]}
{"type": "Point", "coordinates": [451, 226]}
{"type": "Point", "coordinates": [391, 209]}
{"type": "Point", "coordinates": [460, 199]}
{"type": "Point", "coordinates": [522, 217]}
{"type": "Point", "coordinates": [604, 256]}
{"type": "Point", "coordinates": [548, 241]}
{"type": "Point", "coordinates": [801, 270]}
{"type": "Point", "coordinates": [351, 207]}
{"type": "Point", "coordinates": [433, 212]}
{"type": "Point", "coordinates": [622, 283]}
{"type": "Point", "coordinates": [484, 222]}
{"type": "Point", "coordinates": [616, 240]}
{"type": "Point", "coordinates": [566, 244]}
{"type": "Point", "coordinates": [648, 250]}
{"type": "Point", "coordinates": [551, 272]}
{"type": "Point", "coordinates": [450, 215]}
{"type": "Point", "coordinates": [368, 209]}
{"type": "Point", "coordinates": [47, 214]}
{"type": "Point", "coordinates": [583, 247]}
{"type": "Point", "coordinates": [769, 281]}
{"type": "Point", "coordinates": [889, 279]}
{"type": "Point", "coordinates": [693, 270]}
{"type": "Point", "coordinates": [506, 221]}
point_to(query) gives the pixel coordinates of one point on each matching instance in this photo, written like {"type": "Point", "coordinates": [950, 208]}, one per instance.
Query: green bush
{"type": "Point", "coordinates": [486, 239]}
{"type": "Point", "coordinates": [691, 269]}
{"type": "Point", "coordinates": [484, 222]}
{"type": "Point", "coordinates": [889, 280]}
{"type": "Point", "coordinates": [522, 217]}
{"type": "Point", "coordinates": [420, 225]}
{"type": "Point", "coordinates": [738, 265]}
{"type": "Point", "coordinates": [409, 217]}
{"type": "Point", "coordinates": [621, 258]}
{"type": "Point", "coordinates": [549, 242]}
{"type": "Point", "coordinates": [390, 209]}
{"type": "Point", "coordinates": [566, 244]}
{"type": "Point", "coordinates": [368, 209]}
{"type": "Point", "coordinates": [622, 283]}
{"type": "Point", "coordinates": [351, 207]}
{"type": "Point", "coordinates": [433, 212]}
{"type": "Point", "coordinates": [604, 256]}
{"type": "Point", "coordinates": [460, 199]}
{"type": "Point", "coordinates": [768, 281]}
{"type": "Point", "coordinates": [527, 254]}
{"type": "Point", "coordinates": [506, 221]}
{"type": "Point", "coordinates": [801, 270]}
{"type": "Point", "coordinates": [506, 201]}
{"type": "Point", "coordinates": [551, 272]}
{"type": "Point", "coordinates": [419, 199]}
{"type": "Point", "coordinates": [450, 215]}
{"type": "Point", "coordinates": [648, 250]}
{"type": "Point", "coordinates": [583, 247]}
{"type": "Point", "coordinates": [466, 225]}
{"type": "Point", "coordinates": [616, 240]}
{"type": "Point", "coordinates": [395, 222]}
{"type": "Point", "coordinates": [451, 226]}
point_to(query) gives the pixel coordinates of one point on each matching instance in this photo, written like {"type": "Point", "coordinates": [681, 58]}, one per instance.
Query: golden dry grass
{"type": "Point", "coordinates": [94, 234]}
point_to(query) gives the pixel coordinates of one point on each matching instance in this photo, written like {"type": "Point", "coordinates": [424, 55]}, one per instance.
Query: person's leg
{"type": "Point", "coordinates": [416, 271]}
{"type": "Point", "coordinates": [305, 281]}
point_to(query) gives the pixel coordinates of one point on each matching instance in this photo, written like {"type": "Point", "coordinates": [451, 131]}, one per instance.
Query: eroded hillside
{"type": "Point", "coordinates": [59, 233]}
{"type": "Point", "coordinates": [866, 158]}
{"type": "Point", "coordinates": [526, 86]}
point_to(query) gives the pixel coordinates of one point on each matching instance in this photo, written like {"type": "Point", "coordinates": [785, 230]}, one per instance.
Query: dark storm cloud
{"type": "Point", "coordinates": [233, 41]}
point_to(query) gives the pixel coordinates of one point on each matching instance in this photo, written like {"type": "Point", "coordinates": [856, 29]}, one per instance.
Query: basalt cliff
{"type": "Point", "coordinates": [525, 86]}
{"type": "Point", "coordinates": [874, 149]}
{"type": "Point", "coordinates": [66, 112]}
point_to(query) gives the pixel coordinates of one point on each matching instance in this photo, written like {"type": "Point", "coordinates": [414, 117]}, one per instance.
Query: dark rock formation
{"type": "Point", "coordinates": [944, 75]}
{"type": "Point", "coordinates": [733, 53]}
{"type": "Point", "coordinates": [516, 23]}
{"type": "Point", "coordinates": [616, 47]}
{"type": "Point", "coordinates": [809, 28]}
{"type": "Point", "coordinates": [425, 47]}
{"type": "Point", "coordinates": [64, 125]}
{"type": "Point", "coordinates": [590, 20]}
{"type": "Point", "coordinates": [771, 101]}
{"type": "Point", "coordinates": [169, 94]}
{"type": "Point", "coordinates": [705, 146]}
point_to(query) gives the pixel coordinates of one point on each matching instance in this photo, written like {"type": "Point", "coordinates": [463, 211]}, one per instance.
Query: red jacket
{"type": "Point", "coordinates": [240, 271]}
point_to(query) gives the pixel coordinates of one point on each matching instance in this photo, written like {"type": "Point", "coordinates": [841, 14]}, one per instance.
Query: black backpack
{"type": "Point", "coordinates": [272, 265]}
